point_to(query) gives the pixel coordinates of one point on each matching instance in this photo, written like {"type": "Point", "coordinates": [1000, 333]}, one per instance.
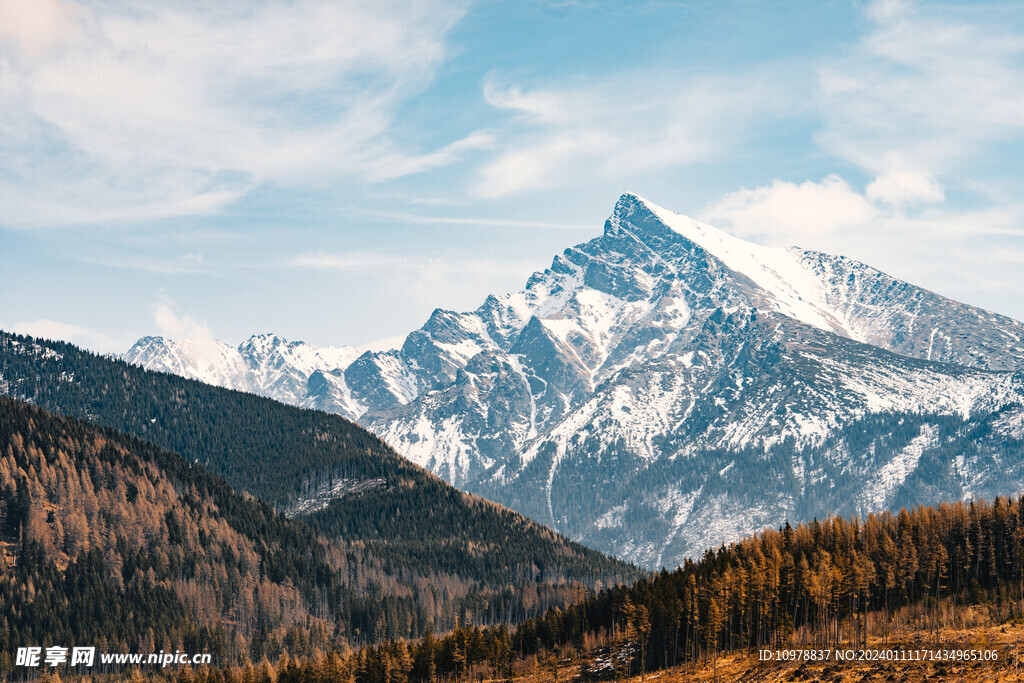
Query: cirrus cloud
{"type": "Point", "coordinates": [129, 111]}
{"type": "Point", "coordinates": [939, 83]}
{"type": "Point", "coordinates": [622, 126]}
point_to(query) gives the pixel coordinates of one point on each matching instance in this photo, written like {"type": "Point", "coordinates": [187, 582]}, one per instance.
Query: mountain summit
{"type": "Point", "coordinates": [666, 387]}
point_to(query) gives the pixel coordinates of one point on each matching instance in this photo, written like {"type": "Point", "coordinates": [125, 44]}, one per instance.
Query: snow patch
{"type": "Point", "coordinates": [892, 475]}
{"type": "Point", "coordinates": [611, 518]}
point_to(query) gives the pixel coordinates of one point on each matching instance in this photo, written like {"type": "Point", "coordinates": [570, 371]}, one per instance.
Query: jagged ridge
{"type": "Point", "coordinates": [667, 341]}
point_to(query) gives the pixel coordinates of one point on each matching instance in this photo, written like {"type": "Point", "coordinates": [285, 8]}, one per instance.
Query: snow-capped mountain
{"type": "Point", "coordinates": [665, 387]}
{"type": "Point", "coordinates": [264, 364]}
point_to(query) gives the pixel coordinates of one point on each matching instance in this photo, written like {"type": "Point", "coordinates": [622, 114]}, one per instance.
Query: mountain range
{"type": "Point", "coordinates": [666, 387]}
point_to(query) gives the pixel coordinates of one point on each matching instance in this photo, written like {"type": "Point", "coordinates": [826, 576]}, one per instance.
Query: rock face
{"type": "Point", "coordinates": [666, 387]}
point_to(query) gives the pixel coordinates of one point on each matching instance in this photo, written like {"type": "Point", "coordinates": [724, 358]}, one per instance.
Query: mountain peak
{"type": "Point", "coordinates": [632, 199]}
{"type": "Point", "coordinates": [266, 344]}
{"type": "Point", "coordinates": [150, 339]}
{"type": "Point", "coordinates": [642, 215]}
{"type": "Point", "coordinates": [794, 291]}
{"type": "Point", "coordinates": [263, 339]}
{"type": "Point", "coordinates": [669, 341]}
{"type": "Point", "coordinates": [634, 211]}
{"type": "Point", "coordinates": [644, 219]}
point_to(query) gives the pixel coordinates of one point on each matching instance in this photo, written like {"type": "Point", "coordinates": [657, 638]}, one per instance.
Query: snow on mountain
{"type": "Point", "coordinates": [666, 386]}
{"type": "Point", "coordinates": [208, 361]}
{"type": "Point", "coordinates": [793, 290]}
{"type": "Point", "coordinates": [892, 475]}
{"type": "Point", "coordinates": [264, 364]}
{"type": "Point", "coordinates": [281, 369]}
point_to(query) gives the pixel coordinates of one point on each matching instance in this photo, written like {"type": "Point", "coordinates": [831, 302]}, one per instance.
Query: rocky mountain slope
{"type": "Point", "coordinates": [665, 387]}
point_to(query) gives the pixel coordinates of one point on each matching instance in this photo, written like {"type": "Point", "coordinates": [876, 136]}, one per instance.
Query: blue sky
{"type": "Point", "coordinates": [333, 171]}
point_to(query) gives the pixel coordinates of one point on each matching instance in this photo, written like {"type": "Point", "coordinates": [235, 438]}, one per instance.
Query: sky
{"type": "Point", "coordinates": [333, 171]}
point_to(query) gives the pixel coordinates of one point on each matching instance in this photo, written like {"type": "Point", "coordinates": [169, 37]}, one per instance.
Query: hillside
{"type": "Point", "coordinates": [1002, 641]}
{"type": "Point", "coordinates": [830, 583]}
{"type": "Point", "coordinates": [105, 538]}
{"type": "Point", "coordinates": [421, 552]}
{"type": "Point", "coordinates": [258, 445]}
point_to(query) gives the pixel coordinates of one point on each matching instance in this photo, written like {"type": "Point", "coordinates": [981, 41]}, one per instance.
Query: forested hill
{"type": "Point", "coordinates": [114, 540]}
{"type": "Point", "coordinates": [257, 444]}
{"type": "Point", "coordinates": [422, 551]}
{"type": "Point", "coordinates": [104, 538]}
{"type": "Point", "coordinates": [830, 582]}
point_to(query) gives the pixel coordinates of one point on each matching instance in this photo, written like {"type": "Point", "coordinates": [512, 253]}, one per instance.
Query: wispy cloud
{"type": "Point", "coordinates": [128, 111]}
{"type": "Point", "coordinates": [175, 325]}
{"type": "Point", "coordinates": [202, 346]}
{"type": "Point", "coordinates": [622, 125]}
{"type": "Point", "coordinates": [899, 184]}
{"type": "Point", "coordinates": [951, 250]}
{"type": "Point", "coordinates": [924, 103]}
{"type": "Point", "coordinates": [476, 221]}
{"type": "Point", "coordinates": [355, 261]}
{"type": "Point", "coordinates": [936, 83]}
{"type": "Point", "coordinates": [925, 89]}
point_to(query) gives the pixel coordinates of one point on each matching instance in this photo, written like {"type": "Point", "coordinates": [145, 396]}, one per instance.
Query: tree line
{"type": "Point", "coordinates": [827, 583]}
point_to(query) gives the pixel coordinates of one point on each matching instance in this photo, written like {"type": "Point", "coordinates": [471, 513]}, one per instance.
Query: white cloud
{"type": "Point", "coordinates": [75, 334]}
{"type": "Point", "coordinates": [789, 213]}
{"type": "Point", "coordinates": [928, 99]}
{"type": "Point", "coordinates": [142, 110]}
{"type": "Point", "coordinates": [396, 165]}
{"type": "Point", "coordinates": [925, 89]}
{"type": "Point", "coordinates": [174, 326]}
{"type": "Point", "coordinates": [36, 27]}
{"type": "Point", "coordinates": [900, 225]}
{"type": "Point", "coordinates": [900, 185]}
{"type": "Point", "coordinates": [202, 345]}
{"type": "Point", "coordinates": [535, 166]}
{"type": "Point", "coordinates": [793, 211]}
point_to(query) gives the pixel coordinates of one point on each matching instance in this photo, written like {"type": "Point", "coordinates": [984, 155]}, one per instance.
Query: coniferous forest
{"type": "Point", "coordinates": [830, 583]}
{"type": "Point", "coordinates": [110, 540]}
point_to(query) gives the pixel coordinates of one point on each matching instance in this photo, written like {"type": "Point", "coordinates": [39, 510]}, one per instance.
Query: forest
{"type": "Point", "coordinates": [829, 583]}
{"type": "Point", "coordinates": [109, 539]}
